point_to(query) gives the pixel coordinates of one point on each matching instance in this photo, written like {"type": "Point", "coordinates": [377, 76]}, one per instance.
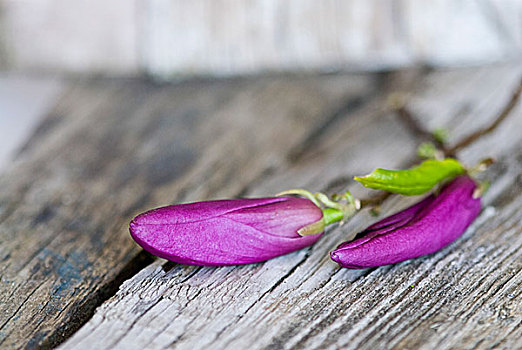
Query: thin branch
{"type": "Point", "coordinates": [375, 201]}
{"type": "Point", "coordinates": [397, 103]}
{"type": "Point", "coordinates": [504, 113]}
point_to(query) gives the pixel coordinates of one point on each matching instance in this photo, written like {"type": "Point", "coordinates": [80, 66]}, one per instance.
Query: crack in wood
{"type": "Point", "coordinates": [118, 339]}
{"type": "Point", "coordinates": [84, 309]}
{"type": "Point", "coordinates": [433, 310]}
{"type": "Point", "coordinates": [479, 304]}
{"type": "Point", "coordinates": [16, 311]}
{"type": "Point", "coordinates": [399, 299]}
{"type": "Point", "coordinates": [272, 288]}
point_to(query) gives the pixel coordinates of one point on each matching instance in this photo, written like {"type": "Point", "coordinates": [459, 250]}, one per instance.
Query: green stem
{"type": "Point", "coordinates": [301, 192]}
{"type": "Point", "coordinates": [334, 212]}
{"type": "Point", "coordinates": [331, 215]}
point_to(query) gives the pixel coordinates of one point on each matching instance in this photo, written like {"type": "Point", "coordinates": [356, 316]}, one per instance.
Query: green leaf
{"type": "Point", "coordinates": [414, 181]}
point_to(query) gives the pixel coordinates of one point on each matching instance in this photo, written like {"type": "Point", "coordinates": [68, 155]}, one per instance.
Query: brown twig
{"type": "Point", "coordinates": [474, 136]}
{"type": "Point", "coordinates": [398, 103]}
{"type": "Point", "coordinates": [374, 201]}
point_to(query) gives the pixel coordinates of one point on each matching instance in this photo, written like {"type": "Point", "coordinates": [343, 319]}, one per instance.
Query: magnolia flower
{"type": "Point", "coordinates": [228, 232]}
{"type": "Point", "coordinates": [421, 229]}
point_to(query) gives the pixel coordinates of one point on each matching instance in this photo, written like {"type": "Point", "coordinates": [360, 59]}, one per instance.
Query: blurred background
{"type": "Point", "coordinates": [168, 38]}
{"type": "Point", "coordinates": [43, 42]}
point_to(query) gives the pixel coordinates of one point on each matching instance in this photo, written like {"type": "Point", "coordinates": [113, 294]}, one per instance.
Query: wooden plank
{"type": "Point", "coordinates": [303, 300]}
{"type": "Point", "coordinates": [112, 148]}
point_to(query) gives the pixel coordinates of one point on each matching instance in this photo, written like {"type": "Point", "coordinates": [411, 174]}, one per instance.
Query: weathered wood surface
{"type": "Point", "coordinates": [111, 149]}
{"type": "Point", "coordinates": [466, 296]}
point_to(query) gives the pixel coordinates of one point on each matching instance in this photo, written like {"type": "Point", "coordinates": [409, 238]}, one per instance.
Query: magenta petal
{"type": "Point", "coordinates": [418, 230]}
{"type": "Point", "coordinates": [226, 232]}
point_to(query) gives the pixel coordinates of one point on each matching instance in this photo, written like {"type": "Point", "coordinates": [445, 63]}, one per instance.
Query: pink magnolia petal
{"type": "Point", "coordinates": [419, 230]}
{"type": "Point", "coordinates": [226, 232]}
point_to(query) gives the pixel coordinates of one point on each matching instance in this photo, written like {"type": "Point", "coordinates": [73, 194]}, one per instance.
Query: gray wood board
{"type": "Point", "coordinates": [466, 296]}
{"type": "Point", "coordinates": [112, 148]}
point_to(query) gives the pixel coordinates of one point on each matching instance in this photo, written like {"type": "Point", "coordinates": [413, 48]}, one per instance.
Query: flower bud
{"type": "Point", "coordinates": [418, 230]}
{"type": "Point", "coordinates": [226, 232]}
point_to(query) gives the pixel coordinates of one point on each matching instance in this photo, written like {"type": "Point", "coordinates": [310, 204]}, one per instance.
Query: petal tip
{"type": "Point", "coordinates": [134, 229]}
{"type": "Point", "coordinates": [335, 257]}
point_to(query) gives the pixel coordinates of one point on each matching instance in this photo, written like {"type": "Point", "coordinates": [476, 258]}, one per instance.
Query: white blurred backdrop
{"type": "Point", "coordinates": [168, 38]}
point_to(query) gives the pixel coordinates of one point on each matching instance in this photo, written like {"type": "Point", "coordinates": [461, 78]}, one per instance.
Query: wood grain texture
{"type": "Point", "coordinates": [112, 148]}
{"type": "Point", "coordinates": [467, 296]}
